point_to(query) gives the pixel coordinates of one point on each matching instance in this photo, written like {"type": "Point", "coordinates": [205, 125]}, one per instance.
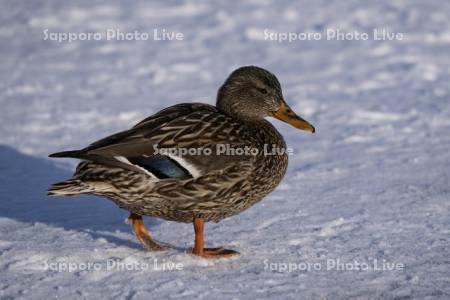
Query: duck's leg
{"type": "Point", "coordinates": [199, 225]}
{"type": "Point", "coordinates": [143, 235]}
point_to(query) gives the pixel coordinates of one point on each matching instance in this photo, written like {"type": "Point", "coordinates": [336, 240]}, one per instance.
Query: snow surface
{"type": "Point", "coordinates": [371, 184]}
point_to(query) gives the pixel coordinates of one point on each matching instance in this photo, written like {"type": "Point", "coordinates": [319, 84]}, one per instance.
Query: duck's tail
{"type": "Point", "coordinates": [72, 154]}
{"type": "Point", "coordinates": [69, 187]}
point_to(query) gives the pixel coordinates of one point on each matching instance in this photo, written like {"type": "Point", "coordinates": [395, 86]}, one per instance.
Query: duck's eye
{"type": "Point", "coordinates": [263, 91]}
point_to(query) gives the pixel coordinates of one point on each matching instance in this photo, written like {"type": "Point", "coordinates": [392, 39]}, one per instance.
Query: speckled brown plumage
{"type": "Point", "coordinates": [126, 169]}
{"type": "Point", "coordinates": [217, 194]}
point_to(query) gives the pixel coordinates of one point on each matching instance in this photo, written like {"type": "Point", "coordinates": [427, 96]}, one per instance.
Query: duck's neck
{"type": "Point", "coordinates": [266, 133]}
{"type": "Point", "coordinates": [272, 133]}
{"type": "Point", "coordinates": [269, 134]}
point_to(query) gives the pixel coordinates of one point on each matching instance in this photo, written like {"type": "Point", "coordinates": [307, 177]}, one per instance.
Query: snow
{"type": "Point", "coordinates": [372, 185]}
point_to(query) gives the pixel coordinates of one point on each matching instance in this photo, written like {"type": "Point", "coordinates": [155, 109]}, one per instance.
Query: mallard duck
{"type": "Point", "coordinates": [192, 162]}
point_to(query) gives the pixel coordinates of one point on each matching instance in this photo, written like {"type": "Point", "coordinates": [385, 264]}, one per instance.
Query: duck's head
{"type": "Point", "coordinates": [253, 93]}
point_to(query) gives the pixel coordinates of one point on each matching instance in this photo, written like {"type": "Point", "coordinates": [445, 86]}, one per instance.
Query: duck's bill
{"type": "Point", "coordinates": [285, 114]}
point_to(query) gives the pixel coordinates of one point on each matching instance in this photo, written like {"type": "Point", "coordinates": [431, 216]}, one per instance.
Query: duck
{"type": "Point", "coordinates": [192, 162]}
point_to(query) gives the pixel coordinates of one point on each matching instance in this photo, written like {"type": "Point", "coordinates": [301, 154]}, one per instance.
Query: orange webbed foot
{"type": "Point", "coordinates": [215, 253]}
{"type": "Point", "coordinates": [199, 248]}
{"type": "Point", "coordinates": [142, 234]}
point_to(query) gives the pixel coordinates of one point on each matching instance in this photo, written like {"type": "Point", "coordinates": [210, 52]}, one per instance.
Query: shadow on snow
{"type": "Point", "coordinates": [24, 181]}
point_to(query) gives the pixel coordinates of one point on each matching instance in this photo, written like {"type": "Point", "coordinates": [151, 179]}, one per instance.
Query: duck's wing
{"type": "Point", "coordinates": [158, 120]}
{"type": "Point", "coordinates": [191, 126]}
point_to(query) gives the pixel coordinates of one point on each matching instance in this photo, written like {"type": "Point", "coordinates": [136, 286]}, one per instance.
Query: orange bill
{"type": "Point", "coordinates": [285, 114]}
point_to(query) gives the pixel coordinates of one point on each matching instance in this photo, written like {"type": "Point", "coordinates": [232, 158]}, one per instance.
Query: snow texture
{"type": "Point", "coordinates": [371, 186]}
